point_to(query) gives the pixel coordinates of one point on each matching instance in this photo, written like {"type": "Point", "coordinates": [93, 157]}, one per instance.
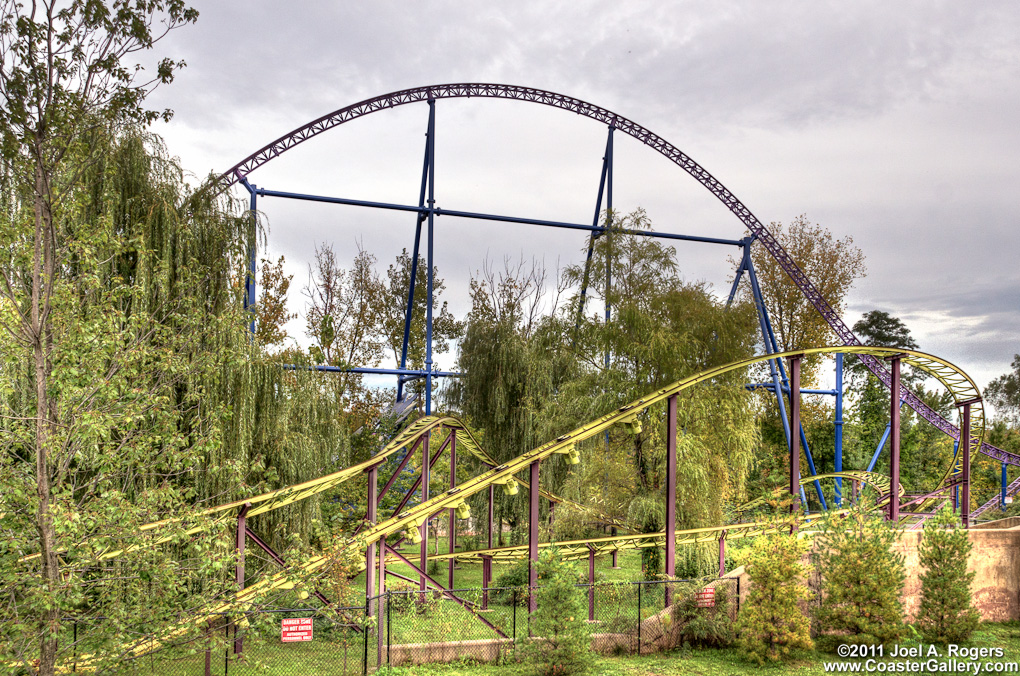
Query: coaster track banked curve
{"type": "Point", "coordinates": [956, 381]}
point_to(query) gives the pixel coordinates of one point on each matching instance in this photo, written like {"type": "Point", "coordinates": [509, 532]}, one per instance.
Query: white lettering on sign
{"type": "Point", "coordinates": [296, 629]}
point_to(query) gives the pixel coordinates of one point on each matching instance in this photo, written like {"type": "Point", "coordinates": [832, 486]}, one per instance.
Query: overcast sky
{"type": "Point", "coordinates": [893, 123]}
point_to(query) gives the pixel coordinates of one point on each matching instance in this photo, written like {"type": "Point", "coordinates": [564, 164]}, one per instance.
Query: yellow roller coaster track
{"type": "Point", "coordinates": [960, 385]}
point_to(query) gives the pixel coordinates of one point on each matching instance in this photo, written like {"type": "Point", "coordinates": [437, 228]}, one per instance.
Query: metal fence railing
{"type": "Point", "coordinates": [400, 627]}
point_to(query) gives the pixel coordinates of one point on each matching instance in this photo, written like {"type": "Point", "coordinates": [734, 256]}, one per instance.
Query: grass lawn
{"type": "Point", "coordinates": [720, 662]}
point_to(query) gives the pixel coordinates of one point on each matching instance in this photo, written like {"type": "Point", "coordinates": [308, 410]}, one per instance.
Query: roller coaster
{"type": "Point", "coordinates": [416, 445]}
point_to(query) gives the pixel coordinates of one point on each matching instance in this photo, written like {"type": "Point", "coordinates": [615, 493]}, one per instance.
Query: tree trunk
{"type": "Point", "coordinates": [42, 280]}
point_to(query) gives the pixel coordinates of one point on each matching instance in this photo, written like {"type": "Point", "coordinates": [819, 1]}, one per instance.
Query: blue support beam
{"type": "Point", "coordinates": [593, 236]}
{"type": "Point", "coordinates": [776, 369]}
{"type": "Point", "coordinates": [607, 226]}
{"type": "Point", "coordinates": [409, 312]}
{"type": "Point", "coordinates": [429, 262]}
{"type": "Point", "coordinates": [492, 217]}
{"type": "Point", "coordinates": [838, 459]}
{"type": "Point", "coordinates": [1002, 495]}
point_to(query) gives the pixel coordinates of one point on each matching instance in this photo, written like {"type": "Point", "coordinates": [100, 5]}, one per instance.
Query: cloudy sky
{"type": "Point", "coordinates": [895, 124]}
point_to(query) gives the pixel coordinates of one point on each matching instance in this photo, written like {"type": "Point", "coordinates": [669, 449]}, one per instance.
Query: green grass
{"type": "Point", "coordinates": [725, 662]}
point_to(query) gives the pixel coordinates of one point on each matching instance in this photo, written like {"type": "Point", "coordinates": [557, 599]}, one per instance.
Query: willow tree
{"type": "Point", "coordinates": [662, 329]}
{"type": "Point", "coordinates": [125, 346]}
{"type": "Point", "coordinates": [509, 377]}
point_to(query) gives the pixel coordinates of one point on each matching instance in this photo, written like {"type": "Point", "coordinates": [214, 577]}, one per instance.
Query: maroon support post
{"type": "Point", "coordinates": [533, 537]}
{"type": "Point", "coordinates": [795, 434]}
{"type": "Point", "coordinates": [964, 448]}
{"type": "Point", "coordinates": [670, 491]}
{"type": "Point", "coordinates": [486, 580]}
{"type": "Point", "coordinates": [591, 583]}
{"type": "Point", "coordinates": [490, 515]}
{"type": "Point", "coordinates": [451, 531]}
{"type": "Point", "coordinates": [722, 553]}
{"type": "Point", "coordinates": [894, 440]}
{"type": "Point", "coordinates": [242, 538]}
{"type": "Point", "coordinates": [381, 610]}
{"type": "Point", "coordinates": [425, 526]}
{"type": "Point", "coordinates": [552, 512]}
{"type": "Point", "coordinates": [373, 489]}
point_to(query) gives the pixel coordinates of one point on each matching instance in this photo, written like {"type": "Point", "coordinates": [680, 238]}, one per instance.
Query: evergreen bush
{"type": "Point", "coordinates": [703, 627]}
{"type": "Point", "coordinates": [771, 624]}
{"type": "Point", "coordinates": [861, 579]}
{"type": "Point", "coordinates": [561, 639]}
{"type": "Point", "coordinates": [947, 614]}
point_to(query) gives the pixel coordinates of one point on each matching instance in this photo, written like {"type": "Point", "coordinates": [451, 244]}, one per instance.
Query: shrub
{"type": "Point", "coordinates": [561, 639]}
{"type": "Point", "coordinates": [947, 614]}
{"type": "Point", "coordinates": [771, 624]}
{"type": "Point", "coordinates": [708, 627]}
{"type": "Point", "coordinates": [512, 585]}
{"type": "Point", "coordinates": [861, 579]}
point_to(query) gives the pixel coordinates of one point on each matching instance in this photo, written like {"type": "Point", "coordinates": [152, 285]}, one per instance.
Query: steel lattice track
{"type": "Point", "coordinates": [646, 136]}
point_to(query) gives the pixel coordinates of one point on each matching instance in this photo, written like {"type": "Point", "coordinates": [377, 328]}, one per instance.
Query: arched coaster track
{"type": "Point", "coordinates": [645, 136]}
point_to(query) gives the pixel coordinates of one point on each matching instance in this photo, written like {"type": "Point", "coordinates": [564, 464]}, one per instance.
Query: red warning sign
{"type": "Point", "coordinates": [296, 629]}
{"type": "Point", "coordinates": [706, 598]}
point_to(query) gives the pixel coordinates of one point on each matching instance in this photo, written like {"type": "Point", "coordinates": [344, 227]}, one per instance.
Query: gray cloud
{"type": "Point", "coordinates": [893, 123]}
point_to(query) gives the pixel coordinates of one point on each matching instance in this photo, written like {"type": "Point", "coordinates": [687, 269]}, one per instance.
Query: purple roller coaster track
{"type": "Point", "coordinates": [426, 208]}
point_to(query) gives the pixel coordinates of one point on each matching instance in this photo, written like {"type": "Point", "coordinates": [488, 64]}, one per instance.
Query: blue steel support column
{"type": "Point", "coordinates": [594, 235]}
{"type": "Point", "coordinates": [838, 462]}
{"type": "Point", "coordinates": [1002, 496]}
{"type": "Point", "coordinates": [249, 281]}
{"type": "Point", "coordinates": [794, 438]}
{"type": "Point", "coordinates": [414, 255]}
{"type": "Point", "coordinates": [609, 224]}
{"type": "Point", "coordinates": [745, 258]}
{"type": "Point", "coordinates": [428, 307]}
{"type": "Point", "coordinates": [771, 347]}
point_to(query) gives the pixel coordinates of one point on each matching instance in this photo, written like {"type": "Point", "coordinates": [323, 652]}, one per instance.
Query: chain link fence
{"type": "Point", "coordinates": [404, 626]}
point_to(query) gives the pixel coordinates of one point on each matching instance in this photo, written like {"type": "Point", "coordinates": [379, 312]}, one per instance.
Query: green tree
{"type": "Point", "coordinates": [662, 329]}
{"type": "Point", "coordinates": [561, 639]}
{"type": "Point", "coordinates": [947, 614]}
{"type": "Point", "coordinates": [861, 578]}
{"type": "Point", "coordinates": [509, 377]}
{"type": "Point", "coordinates": [64, 78]}
{"type": "Point", "coordinates": [272, 313]}
{"type": "Point", "coordinates": [391, 301]}
{"type": "Point", "coordinates": [834, 265]}
{"type": "Point", "coordinates": [771, 624]}
{"type": "Point", "coordinates": [1004, 393]}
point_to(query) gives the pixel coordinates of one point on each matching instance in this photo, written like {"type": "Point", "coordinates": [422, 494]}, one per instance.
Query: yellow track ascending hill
{"type": "Point", "coordinates": [954, 379]}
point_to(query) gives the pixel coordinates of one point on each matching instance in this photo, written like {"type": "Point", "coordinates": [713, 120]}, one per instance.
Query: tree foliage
{"type": "Point", "coordinates": [833, 265]}
{"type": "Point", "coordinates": [272, 313]}
{"type": "Point", "coordinates": [1004, 393]}
{"type": "Point", "coordinates": [947, 614]}
{"type": "Point", "coordinates": [771, 624]}
{"type": "Point", "coordinates": [861, 578]}
{"type": "Point", "coordinates": [561, 643]}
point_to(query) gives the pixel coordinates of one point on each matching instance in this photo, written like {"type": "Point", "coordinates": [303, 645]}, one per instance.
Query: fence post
{"type": "Point", "coordinates": [226, 650]}
{"type": "Point", "coordinates": [639, 618]}
{"type": "Point", "coordinates": [365, 632]}
{"type": "Point", "coordinates": [388, 641]}
{"type": "Point", "coordinates": [514, 597]}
